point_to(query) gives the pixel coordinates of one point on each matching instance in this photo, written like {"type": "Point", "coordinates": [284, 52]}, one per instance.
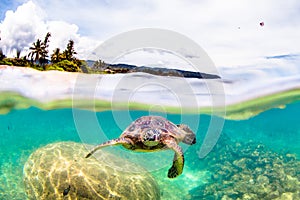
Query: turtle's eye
{"type": "Point", "coordinates": [151, 137]}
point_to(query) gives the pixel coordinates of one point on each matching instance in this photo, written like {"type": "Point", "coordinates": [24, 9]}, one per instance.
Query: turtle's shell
{"type": "Point", "coordinates": [154, 126]}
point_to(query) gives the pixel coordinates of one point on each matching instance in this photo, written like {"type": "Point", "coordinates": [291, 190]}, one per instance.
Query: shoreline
{"type": "Point", "coordinates": [22, 88]}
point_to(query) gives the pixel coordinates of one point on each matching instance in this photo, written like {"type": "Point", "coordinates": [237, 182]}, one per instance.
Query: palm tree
{"type": "Point", "coordinates": [2, 56]}
{"type": "Point", "coordinates": [56, 56]}
{"type": "Point", "coordinates": [45, 46]}
{"type": "Point", "coordinates": [69, 52]}
{"type": "Point", "coordinates": [39, 50]}
{"type": "Point", "coordinates": [99, 65]}
{"type": "Point", "coordinates": [18, 53]}
{"type": "Point", "coordinates": [36, 51]}
{"type": "Point", "coordinates": [46, 40]}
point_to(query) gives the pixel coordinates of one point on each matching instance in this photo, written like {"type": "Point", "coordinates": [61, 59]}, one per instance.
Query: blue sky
{"type": "Point", "coordinates": [9, 5]}
{"type": "Point", "coordinates": [228, 30]}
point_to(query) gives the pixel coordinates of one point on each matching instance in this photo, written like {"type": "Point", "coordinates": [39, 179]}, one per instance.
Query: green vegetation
{"type": "Point", "coordinates": [100, 67]}
{"type": "Point", "coordinates": [2, 56]}
{"type": "Point", "coordinates": [39, 51]}
{"type": "Point", "coordinates": [65, 65]}
{"type": "Point", "coordinates": [38, 58]}
{"type": "Point", "coordinates": [61, 60]}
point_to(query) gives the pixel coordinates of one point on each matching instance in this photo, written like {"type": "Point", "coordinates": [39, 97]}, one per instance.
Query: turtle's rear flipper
{"type": "Point", "coordinates": [178, 161]}
{"type": "Point", "coordinates": [119, 141]}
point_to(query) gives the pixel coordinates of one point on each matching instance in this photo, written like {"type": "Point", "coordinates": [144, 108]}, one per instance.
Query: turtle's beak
{"type": "Point", "coordinates": [189, 139]}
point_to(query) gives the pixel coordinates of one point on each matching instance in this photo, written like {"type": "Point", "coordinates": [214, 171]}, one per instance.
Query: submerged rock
{"type": "Point", "coordinates": [61, 171]}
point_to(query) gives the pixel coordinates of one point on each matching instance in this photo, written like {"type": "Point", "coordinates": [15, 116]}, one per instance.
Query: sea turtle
{"type": "Point", "coordinates": [154, 133]}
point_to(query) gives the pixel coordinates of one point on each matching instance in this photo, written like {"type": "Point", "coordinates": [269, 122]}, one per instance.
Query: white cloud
{"type": "Point", "coordinates": [62, 32]}
{"type": "Point", "coordinates": [228, 30]}
{"type": "Point", "coordinates": [21, 26]}
{"type": "Point", "coordinates": [29, 22]}
{"type": "Point", "coordinates": [214, 24]}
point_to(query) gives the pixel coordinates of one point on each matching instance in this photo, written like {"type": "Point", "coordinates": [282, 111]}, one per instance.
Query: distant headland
{"type": "Point", "coordinates": [126, 68]}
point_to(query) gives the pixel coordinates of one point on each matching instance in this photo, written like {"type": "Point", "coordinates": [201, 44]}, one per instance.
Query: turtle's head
{"type": "Point", "coordinates": [151, 137]}
{"type": "Point", "coordinates": [189, 135]}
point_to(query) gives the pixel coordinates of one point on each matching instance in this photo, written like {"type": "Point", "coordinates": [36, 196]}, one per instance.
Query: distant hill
{"type": "Point", "coordinates": [126, 68]}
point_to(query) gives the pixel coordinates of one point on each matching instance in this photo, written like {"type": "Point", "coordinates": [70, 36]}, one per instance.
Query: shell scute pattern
{"type": "Point", "coordinates": [131, 128]}
{"type": "Point", "coordinates": [157, 122]}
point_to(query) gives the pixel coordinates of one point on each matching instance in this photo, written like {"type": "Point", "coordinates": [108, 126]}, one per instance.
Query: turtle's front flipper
{"type": "Point", "coordinates": [178, 161]}
{"type": "Point", "coordinates": [119, 141]}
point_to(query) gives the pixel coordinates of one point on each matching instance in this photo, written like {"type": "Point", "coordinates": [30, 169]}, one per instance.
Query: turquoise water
{"type": "Point", "coordinates": [23, 131]}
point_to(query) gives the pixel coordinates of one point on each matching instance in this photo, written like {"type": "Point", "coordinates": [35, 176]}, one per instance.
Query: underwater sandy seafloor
{"type": "Point", "coordinates": [256, 158]}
